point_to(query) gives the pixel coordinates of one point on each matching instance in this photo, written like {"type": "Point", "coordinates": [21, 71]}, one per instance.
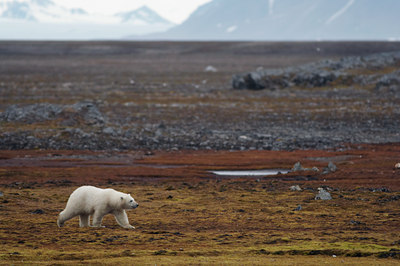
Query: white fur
{"type": "Point", "coordinates": [89, 201]}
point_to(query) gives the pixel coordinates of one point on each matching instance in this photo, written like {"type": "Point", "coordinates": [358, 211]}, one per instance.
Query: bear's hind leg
{"type": "Point", "coordinates": [83, 220]}
{"type": "Point", "coordinates": [97, 219]}
{"type": "Point", "coordinates": [122, 219]}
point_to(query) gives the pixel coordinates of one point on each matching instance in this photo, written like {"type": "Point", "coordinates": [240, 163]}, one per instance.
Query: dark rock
{"type": "Point", "coordinates": [318, 74]}
{"type": "Point", "coordinates": [251, 81]}
{"type": "Point", "coordinates": [354, 222]}
{"type": "Point", "coordinates": [298, 208]}
{"type": "Point", "coordinates": [161, 252]}
{"type": "Point", "coordinates": [393, 253]}
{"type": "Point", "coordinates": [37, 211]}
{"type": "Point", "coordinates": [382, 189]}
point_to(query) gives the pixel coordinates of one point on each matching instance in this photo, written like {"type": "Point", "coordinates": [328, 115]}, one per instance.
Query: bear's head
{"type": "Point", "coordinates": [128, 202]}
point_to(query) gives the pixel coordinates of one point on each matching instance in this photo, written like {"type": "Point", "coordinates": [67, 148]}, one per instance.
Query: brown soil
{"type": "Point", "coordinates": [188, 215]}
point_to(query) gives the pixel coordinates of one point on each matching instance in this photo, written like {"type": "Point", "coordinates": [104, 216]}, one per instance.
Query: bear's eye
{"type": "Point", "coordinates": [131, 201]}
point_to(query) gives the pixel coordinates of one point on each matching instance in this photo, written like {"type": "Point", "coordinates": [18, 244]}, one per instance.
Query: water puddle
{"type": "Point", "coordinates": [264, 172]}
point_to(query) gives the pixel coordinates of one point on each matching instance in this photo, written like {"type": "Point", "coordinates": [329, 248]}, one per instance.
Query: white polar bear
{"type": "Point", "coordinates": [89, 201]}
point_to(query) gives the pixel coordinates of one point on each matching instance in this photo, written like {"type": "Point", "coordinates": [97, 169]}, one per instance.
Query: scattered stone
{"type": "Point", "coordinates": [331, 168]}
{"type": "Point", "coordinates": [85, 112]}
{"type": "Point", "coordinates": [298, 208]}
{"type": "Point", "coordinates": [37, 211]}
{"type": "Point", "coordinates": [323, 195]}
{"type": "Point", "coordinates": [210, 69]}
{"type": "Point", "coordinates": [389, 82]}
{"type": "Point", "coordinates": [128, 253]}
{"type": "Point", "coordinates": [109, 131]}
{"type": "Point", "coordinates": [297, 167]}
{"type": "Point", "coordinates": [382, 189]}
{"type": "Point", "coordinates": [353, 222]}
{"type": "Point", "coordinates": [295, 188]}
{"type": "Point", "coordinates": [160, 252]}
{"type": "Point", "coordinates": [1, 194]}
{"type": "Point", "coordinates": [86, 126]}
{"type": "Point", "coordinates": [315, 169]}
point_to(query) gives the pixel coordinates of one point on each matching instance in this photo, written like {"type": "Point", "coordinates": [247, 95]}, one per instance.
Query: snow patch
{"type": "Point", "coordinates": [231, 29]}
{"type": "Point", "coordinates": [271, 7]}
{"type": "Point", "coordinates": [340, 12]}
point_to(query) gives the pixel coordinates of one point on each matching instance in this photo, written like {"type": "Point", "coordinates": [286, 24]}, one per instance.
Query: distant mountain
{"type": "Point", "coordinates": [142, 16]}
{"type": "Point", "coordinates": [40, 11]}
{"type": "Point", "coordinates": [290, 20]}
{"type": "Point", "coordinates": [44, 19]}
{"type": "Point", "coordinates": [48, 11]}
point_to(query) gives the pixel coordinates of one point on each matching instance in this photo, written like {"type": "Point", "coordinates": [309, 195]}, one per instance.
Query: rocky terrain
{"type": "Point", "coordinates": [158, 119]}
{"type": "Point", "coordinates": [368, 71]}
{"type": "Point", "coordinates": [123, 96]}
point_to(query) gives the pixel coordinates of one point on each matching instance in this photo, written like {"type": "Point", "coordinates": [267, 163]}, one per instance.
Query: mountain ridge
{"type": "Point", "coordinates": [45, 20]}
{"type": "Point", "coordinates": [290, 20]}
{"type": "Point", "coordinates": [48, 11]}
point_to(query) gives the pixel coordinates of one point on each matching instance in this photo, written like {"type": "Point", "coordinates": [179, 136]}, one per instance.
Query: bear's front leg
{"type": "Point", "coordinates": [122, 219]}
{"type": "Point", "coordinates": [83, 220]}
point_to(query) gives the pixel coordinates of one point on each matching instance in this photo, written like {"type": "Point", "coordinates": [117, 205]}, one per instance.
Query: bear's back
{"type": "Point", "coordinates": [85, 197]}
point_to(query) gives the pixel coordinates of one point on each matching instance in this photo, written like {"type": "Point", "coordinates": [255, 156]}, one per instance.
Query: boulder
{"type": "Point", "coordinates": [331, 168]}
{"type": "Point", "coordinates": [323, 195]}
{"type": "Point", "coordinates": [295, 188]}
{"type": "Point", "coordinates": [297, 167]}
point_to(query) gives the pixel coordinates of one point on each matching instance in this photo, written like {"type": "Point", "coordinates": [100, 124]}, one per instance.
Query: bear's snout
{"type": "Point", "coordinates": [134, 206]}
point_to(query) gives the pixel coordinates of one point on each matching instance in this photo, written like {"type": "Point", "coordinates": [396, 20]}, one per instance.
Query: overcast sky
{"type": "Point", "coordinates": [174, 10]}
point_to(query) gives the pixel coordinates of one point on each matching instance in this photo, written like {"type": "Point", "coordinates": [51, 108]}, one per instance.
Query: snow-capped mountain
{"type": "Point", "coordinates": [44, 19]}
{"type": "Point", "coordinates": [48, 11]}
{"type": "Point", "coordinates": [142, 16]}
{"type": "Point", "coordinates": [291, 20]}
{"type": "Point", "coordinates": [40, 11]}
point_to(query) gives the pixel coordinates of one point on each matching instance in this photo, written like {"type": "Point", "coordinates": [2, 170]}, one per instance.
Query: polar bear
{"type": "Point", "coordinates": [89, 201]}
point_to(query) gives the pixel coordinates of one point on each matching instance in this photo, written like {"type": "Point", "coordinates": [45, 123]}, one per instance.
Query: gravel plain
{"type": "Point", "coordinates": [191, 96]}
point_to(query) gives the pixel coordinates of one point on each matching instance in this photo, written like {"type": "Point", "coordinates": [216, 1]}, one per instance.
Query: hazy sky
{"type": "Point", "coordinates": [173, 10]}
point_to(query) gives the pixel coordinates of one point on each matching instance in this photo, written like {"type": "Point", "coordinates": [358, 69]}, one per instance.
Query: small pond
{"type": "Point", "coordinates": [264, 172]}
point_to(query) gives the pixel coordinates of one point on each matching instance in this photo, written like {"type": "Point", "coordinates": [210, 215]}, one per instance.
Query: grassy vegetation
{"type": "Point", "coordinates": [184, 221]}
